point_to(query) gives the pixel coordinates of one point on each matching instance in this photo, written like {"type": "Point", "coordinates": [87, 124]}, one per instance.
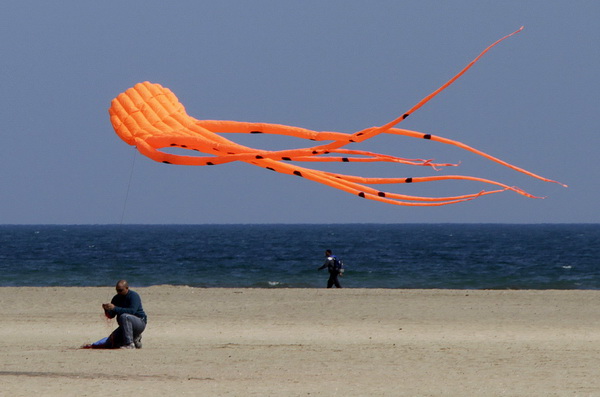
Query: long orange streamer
{"type": "Point", "coordinates": [151, 118]}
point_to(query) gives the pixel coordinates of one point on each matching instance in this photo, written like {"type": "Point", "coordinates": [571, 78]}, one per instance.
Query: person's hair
{"type": "Point", "coordinates": [328, 252]}
{"type": "Point", "coordinates": [123, 283]}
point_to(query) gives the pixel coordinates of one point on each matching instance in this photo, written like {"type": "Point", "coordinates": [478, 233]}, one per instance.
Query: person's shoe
{"type": "Point", "coordinates": [129, 346]}
{"type": "Point", "coordinates": [138, 342]}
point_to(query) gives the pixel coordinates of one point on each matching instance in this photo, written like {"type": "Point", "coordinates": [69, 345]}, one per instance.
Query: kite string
{"type": "Point", "coordinates": [128, 186]}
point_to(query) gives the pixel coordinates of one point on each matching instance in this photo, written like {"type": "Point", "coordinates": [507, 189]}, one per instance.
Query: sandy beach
{"type": "Point", "coordinates": [305, 342]}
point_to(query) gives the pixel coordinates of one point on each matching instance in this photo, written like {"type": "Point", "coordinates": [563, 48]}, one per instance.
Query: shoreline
{"type": "Point", "coordinates": [304, 341]}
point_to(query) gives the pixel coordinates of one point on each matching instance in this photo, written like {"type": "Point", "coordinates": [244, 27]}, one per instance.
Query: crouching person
{"type": "Point", "coordinates": [126, 305]}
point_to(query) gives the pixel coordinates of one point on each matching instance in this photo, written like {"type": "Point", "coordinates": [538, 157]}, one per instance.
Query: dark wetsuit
{"type": "Point", "coordinates": [333, 272]}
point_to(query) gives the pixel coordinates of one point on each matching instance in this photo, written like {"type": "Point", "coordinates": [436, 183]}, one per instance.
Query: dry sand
{"type": "Point", "coordinates": [305, 342]}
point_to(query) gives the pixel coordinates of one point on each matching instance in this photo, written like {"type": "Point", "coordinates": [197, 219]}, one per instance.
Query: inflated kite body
{"type": "Point", "coordinates": [150, 117]}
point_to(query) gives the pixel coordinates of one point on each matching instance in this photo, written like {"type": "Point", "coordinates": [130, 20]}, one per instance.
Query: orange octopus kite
{"type": "Point", "coordinates": [151, 117]}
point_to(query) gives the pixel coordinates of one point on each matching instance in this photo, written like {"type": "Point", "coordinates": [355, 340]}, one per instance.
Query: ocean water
{"type": "Point", "coordinates": [457, 256]}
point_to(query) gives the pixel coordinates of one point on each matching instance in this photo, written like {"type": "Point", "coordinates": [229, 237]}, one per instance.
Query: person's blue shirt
{"type": "Point", "coordinates": [130, 303]}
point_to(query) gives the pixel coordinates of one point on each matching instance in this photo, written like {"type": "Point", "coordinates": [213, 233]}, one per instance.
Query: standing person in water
{"type": "Point", "coordinates": [126, 305]}
{"type": "Point", "coordinates": [332, 264]}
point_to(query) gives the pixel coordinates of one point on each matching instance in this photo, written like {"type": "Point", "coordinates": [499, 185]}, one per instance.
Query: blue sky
{"type": "Point", "coordinates": [323, 65]}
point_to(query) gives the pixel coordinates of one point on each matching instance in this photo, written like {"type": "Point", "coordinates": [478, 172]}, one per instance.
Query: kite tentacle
{"type": "Point", "coordinates": [436, 138]}
{"type": "Point", "coordinates": [381, 181]}
{"type": "Point", "coordinates": [371, 132]}
{"type": "Point", "coordinates": [340, 181]}
{"type": "Point", "coordinates": [228, 126]}
{"type": "Point", "coordinates": [241, 153]}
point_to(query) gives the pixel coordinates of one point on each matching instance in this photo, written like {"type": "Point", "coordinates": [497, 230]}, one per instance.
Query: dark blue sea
{"type": "Point", "coordinates": [456, 256]}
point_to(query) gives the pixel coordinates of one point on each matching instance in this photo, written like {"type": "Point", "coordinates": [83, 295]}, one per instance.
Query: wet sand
{"type": "Point", "coordinates": [305, 342]}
